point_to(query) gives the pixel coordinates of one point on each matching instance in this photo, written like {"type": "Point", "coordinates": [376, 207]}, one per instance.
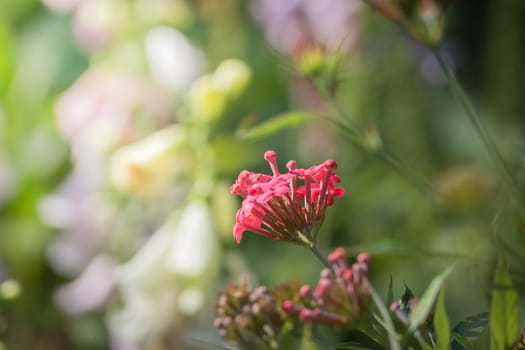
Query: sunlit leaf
{"type": "Point", "coordinates": [273, 125]}
{"type": "Point", "coordinates": [420, 313]}
{"type": "Point", "coordinates": [441, 323]}
{"type": "Point", "coordinates": [504, 311]}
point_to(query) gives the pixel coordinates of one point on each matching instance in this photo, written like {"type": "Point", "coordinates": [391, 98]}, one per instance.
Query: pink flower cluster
{"type": "Point", "coordinates": [276, 207]}
{"type": "Point", "coordinates": [340, 298]}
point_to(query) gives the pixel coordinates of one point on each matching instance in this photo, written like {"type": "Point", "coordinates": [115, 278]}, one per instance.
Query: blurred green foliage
{"type": "Point", "coordinates": [435, 198]}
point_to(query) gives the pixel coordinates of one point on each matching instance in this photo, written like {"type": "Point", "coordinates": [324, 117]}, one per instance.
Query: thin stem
{"type": "Point", "coordinates": [356, 135]}
{"type": "Point", "coordinates": [481, 131]}
{"type": "Point", "coordinates": [320, 256]}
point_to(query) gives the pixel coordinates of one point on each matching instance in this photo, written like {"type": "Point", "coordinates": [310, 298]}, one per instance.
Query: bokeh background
{"type": "Point", "coordinates": [124, 122]}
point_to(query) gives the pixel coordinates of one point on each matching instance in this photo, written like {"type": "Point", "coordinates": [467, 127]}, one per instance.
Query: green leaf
{"type": "Point", "coordinates": [441, 323]}
{"type": "Point", "coordinates": [386, 321]}
{"type": "Point", "coordinates": [504, 311]}
{"type": "Point", "coordinates": [420, 313]}
{"type": "Point", "coordinates": [274, 125]}
{"type": "Point", "coordinates": [390, 292]}
{"type": "Point", "coordinates": [462, 343]}
{"type": "Point", "coordinates": [465, 333]}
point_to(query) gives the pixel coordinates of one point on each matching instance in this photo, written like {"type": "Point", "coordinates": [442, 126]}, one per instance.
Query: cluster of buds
{"type": "Point", "coordinates": [341, 295]}
{"type": "Point", "coordinates": [276, 207]}
{"type": "Point", "coordinates": [422, 18]}
{"type": "Point", "coordinates": [249, 317]}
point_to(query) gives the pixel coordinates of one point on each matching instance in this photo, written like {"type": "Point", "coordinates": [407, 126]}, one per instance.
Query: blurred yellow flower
{"type": "Point", "coordinates": [150, 166]}
{"type": "Point", "coordinates": [210, 94]}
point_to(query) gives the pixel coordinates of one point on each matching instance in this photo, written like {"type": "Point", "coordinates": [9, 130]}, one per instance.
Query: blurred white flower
{"type": "Point", "coordinates": [193, 242]}
{"type": "Point", "coordinates": [168, 277]}
{"type": "Point", "coordinates": [173, 60]}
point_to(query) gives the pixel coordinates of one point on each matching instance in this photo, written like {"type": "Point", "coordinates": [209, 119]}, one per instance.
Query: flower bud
{"type": "Point", "coordinates": [424, 19]}
{"type": "Point", "coordinates": [210, 94]}
{"type": "Point", "coordinates": [232, 77]}
{"type": "Point", "coordinates": [206, 100]}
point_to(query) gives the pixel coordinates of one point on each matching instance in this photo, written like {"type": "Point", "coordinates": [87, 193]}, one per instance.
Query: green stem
{"type": "Point", "coordinates": [320, 256]}
{"type": "Point", "coordinates": [481, 131]}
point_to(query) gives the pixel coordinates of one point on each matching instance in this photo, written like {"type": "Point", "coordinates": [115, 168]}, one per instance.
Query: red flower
{"type": "Point", "coordinates": [274, 206]}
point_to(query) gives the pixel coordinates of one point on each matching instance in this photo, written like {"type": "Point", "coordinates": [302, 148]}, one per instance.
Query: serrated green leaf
{"type": "Point", "coordinates": [441, 323]}
{"type": "Point", "coordinates": [390, 292]}
{"type": "Point", "coordinates": [465, 333]}
{"type": "Point", "coordinates": [420, 313]}
{"type": "Point", "coordinates": [504, 311]}
{"type": "Point", "coordinates": [274, 125]}
{"type": "Point", "coordinates": [461, 343]}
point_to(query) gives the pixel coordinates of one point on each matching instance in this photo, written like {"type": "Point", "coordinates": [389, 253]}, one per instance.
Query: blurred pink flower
{"type": "Point", "coordinates": [275, 207]}
{"type": "Point", "coordinates": [289, 24]}
{"type": "Point", "coordinates": [98, 110]}
{"type": "Point", "coordinates": [103, 109]}
{"type": "Point", "coordinates": [91, 290]}
{"type": "Point", "coordinates": [94, 21]}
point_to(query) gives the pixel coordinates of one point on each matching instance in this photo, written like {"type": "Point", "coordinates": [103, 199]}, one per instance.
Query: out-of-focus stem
{"type": "Point", "coordinates": [481, 131]}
